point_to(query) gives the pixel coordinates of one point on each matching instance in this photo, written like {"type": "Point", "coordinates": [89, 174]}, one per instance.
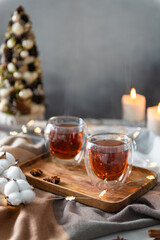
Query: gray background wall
{"type": "Point", "coordinates": [93, 51]}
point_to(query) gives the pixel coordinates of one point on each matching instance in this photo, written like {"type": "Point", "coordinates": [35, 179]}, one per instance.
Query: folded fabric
{"type": "Point", "coordinates": [48, 217]}
{"type": "Point", "coordinates": [22, 147]}
{"type": "Point", "coordinates": [34, 221]}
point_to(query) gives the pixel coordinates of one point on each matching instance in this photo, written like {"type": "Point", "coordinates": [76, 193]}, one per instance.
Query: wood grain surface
{"type": "Point", "coordinates": [75, 182]}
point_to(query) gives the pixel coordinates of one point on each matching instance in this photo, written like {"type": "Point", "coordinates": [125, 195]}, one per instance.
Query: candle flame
{"type": "Point", "coordinates": [133, 93]}
{"type": "Point", "coordinates": [158, 110]}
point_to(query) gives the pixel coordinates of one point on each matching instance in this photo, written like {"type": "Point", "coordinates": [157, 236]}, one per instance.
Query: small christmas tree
{"type": "Point", "coordinates": [21, 90]}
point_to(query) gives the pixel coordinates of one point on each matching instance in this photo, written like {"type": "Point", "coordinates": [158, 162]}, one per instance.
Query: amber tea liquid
{"type": "Point", "coordinates": [111, 162]}
{"type": "Point", "coordinates": [66, 141]}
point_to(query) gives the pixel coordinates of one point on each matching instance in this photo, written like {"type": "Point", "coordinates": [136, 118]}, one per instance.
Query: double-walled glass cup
{"type": "Point", "coordinates": [66, 138]}
{"type": "Point", "coordinates": [108, 159]}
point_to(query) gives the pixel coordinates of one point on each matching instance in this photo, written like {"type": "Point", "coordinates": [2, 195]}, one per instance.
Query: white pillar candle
{"type": "Point", "coordinates": [133, 107]}
{"type": "Point", "coordinates": [153, 118]}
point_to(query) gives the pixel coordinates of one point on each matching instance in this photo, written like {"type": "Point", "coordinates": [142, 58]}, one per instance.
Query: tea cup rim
{"type": "Point", "coordinates": [80, 124]}
{"type": "Point", "coordinates": [129, 140]}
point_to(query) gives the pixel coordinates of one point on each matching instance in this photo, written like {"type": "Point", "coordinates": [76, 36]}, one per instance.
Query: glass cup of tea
{"type": "Point", "coordinates": [65, 137]}
{"type": "Point", "coordinates": [108, 159]}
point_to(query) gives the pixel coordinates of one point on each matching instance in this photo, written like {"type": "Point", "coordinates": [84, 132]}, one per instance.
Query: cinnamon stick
{"type": "Point", "coordinates": [154, 233]}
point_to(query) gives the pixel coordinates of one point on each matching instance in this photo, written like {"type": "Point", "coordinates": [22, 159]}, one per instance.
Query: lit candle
{"type": "Point", "coordinates": [153, 118]}
{"type": "Point", "coordinates": [133, 107]}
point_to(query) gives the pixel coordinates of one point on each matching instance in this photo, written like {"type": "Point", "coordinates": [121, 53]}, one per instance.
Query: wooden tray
{"type": "Point", "coordinates": [75, 182]}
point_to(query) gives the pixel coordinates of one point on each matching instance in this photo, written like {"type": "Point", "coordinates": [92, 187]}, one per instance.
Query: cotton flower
{"type": "Point", "coordinates": [30, 77]}
{"type": "Point", "coordinates": [1, 170]}
{"type": "Point", "coordinates": [11, 43]}
{"type": "Point", "coordinates": [28, 43]}
{"type": "Point", "coordinates": [17, 75]}
{"type": "Point", "coordinates": [23, 185]}
{"type": "Point", "coordinates": [14, 172]}
{"type": "Point", "coordinates": [27, 196]}
{"type": "Point", "coordinates": [17, 190]}
{"type": "Point", "coordinates": [11, 67]}
{"type": "Point", "coordinates": [3, 182]}
{"type": "Point", "coordinates": [15, 198]}
{"type": "Point", "coordinates": [24, 54]}
{"type": "Point", "coordinates": [10, 158]}
{"type": "Point", "coordinates": [10, 187]}
{"type": "Point", "coordinates": [15, 17]}
{"type": "Point", "coordinates": [4, 163]}
{"type": "Point", "coordinates": [25, 93]}
{"type": "Point", "coordinates": [17, 28]}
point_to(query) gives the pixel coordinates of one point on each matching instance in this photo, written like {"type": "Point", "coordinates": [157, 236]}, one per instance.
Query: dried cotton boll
{"type": "Point", "coordinates": [29, 59]}
{"type": "Point", "coordinates": [28, 43]}
{"type": "Point", "coordinates": [25, 93]}
{"type": "Point", "coordinates": [27, 196]}
{"type": "Point", "coordinates": [11, 43]}
{"type": "Point", "coordinates": [14, 172]}
{"type": "Point", "coordinates": [27, 27]}
{"type": "Point", "coordinates": [17, 28]}
{"type": "Point", "coordinates": [24, 54]}
{"type": "Point", "coordinates": [15, 198]}
{"type": "Point", "coordinates": [11, 67]}
{"type": "Point", "coordinates": [30, 77]}
{"type": "Point", "coordinates": [3, 182]}
{"type": "Point", "coordinates": [11, 187]}
{"type": "Point", "coordinates": [15, 17]}
{"type": "Point", "coordinates": [23, 185]}
{"type": "Point", "coordinates": [17, 75]}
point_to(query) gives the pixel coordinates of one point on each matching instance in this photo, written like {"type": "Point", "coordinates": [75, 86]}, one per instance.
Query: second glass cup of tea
{"type": "Point", "coordinates": [66, 138]}
{"type": "Point", "coordinates": [108, 159]}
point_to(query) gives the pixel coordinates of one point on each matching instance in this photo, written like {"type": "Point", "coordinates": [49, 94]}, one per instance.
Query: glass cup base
{"type": "Point", "coordinates": [106, 185]}
{"type": "Point", "coordinates": [70, 162]}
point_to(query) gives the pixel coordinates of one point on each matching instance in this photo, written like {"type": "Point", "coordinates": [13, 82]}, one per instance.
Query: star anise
{"type": "Point", "coordinates": [52, 179]}
{"type": "Point", "coordinates": [119, 238]}
{"type": "Point", "coordinates": [36, 172]}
